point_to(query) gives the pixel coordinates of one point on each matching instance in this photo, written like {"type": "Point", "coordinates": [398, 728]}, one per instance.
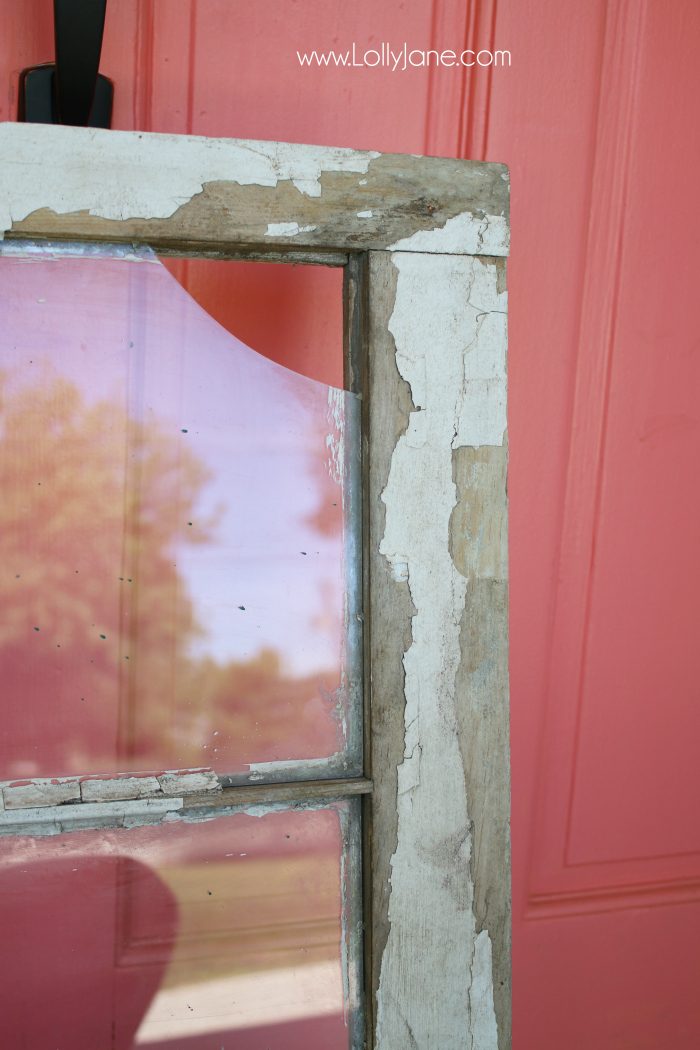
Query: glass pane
{"type": "Point", "coordinates": [178, 563]}
{"type": "Point", "coordinates": [225, 934]}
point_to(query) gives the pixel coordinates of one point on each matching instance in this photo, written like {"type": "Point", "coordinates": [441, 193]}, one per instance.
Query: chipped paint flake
{"type": "Point", "coordinates": [109, 790]}
{"type": "Point", "coordinates": [365, 214]}
{"type": "Point", "coordinates": [265, 770]}
{"type": "Point", "coordinates": [151, 175]}
{"type": "Point", "coordinates": [46, 792]}
{"type": "Point", "coordinates": [456, 375]}
{"type": "Point", "coordinates": [189, 782]}
{"type": "Point", "coordinates": [483, 1015]}
{"type": "Point", "coordinates": [52, 820]}
{"type": "Point", "coordinates": [41, 792]}
{"type": "Point", "coordinates": [466, 233]}
{"type": "Point", "coordinates": [287, 229]}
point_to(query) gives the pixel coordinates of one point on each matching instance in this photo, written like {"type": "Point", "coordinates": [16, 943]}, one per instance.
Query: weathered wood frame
{"type": "Point", "coordinates": [423, 242]}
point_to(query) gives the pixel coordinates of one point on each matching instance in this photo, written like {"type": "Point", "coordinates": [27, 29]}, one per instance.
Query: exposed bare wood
{"type": "Point", "coordinates": [478, 541]}
{"type": "Point", "coordinates": [174, 191]}
{"type": "Point", "coordinates": [300, 791]}
{"type": "Point", "coordinates": [254, 253]}
{"type": "Point", "coordinates": [356, 347]}
{"type": "Point", "coordinates": [390, 607]}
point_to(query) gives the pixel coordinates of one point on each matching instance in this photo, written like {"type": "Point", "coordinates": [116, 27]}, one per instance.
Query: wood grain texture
{"type": "Point", "coordinates": [390, 606]}
{"type": "Point", "coordinates": [479, 545]}
{"type": "Point", "coordinates": [259, 794]}
{"type": "Point", "coordinates": [439, 697]}
{"type": "Point", "coordinates": [172, 191]}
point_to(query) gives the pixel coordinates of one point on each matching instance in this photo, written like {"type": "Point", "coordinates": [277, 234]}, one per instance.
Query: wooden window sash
{"type": "Point", "coordinates": [423, 242]}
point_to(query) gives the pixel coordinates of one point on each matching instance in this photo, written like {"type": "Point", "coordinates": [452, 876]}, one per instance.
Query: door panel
{"type": "Point", "coordinates": [604, 532]}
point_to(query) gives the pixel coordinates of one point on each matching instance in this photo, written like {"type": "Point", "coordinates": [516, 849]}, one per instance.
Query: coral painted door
{"type": "Point", "coordinates": [597, 117]}
{"type": "Point", "coordinates": [603, 137]}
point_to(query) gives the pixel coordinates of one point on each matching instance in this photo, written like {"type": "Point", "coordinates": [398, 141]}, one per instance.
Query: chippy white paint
{"type": "Point", "coordinates": [52, 820]}
{"type": "Point", "coordinates": [482, 406]}
{"type": "Point", "coordinates": [287, 229]}
{"type": "Point", "coordinates": [319, 766]}
{"type": "Point", "coordinates": [443, 348]}
{"type": "Point", "coordinates": [466, 233]}
{"type": "Point", "coordinates": [484, 1033]}
{"type": "Point", "coordinates": [45, 792]}
{"type": "Point", "coordinates": [119, 789]}
{"type": "Point", "coordinates": [151, 175]}
{"type": "Point", "coordinates": [185, 782]}
{"type": "Point", "coordinates": [365, 214]}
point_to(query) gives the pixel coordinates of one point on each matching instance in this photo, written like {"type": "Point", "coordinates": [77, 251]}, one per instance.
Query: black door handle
{"type": "Point", "coordinates": [71, 91]}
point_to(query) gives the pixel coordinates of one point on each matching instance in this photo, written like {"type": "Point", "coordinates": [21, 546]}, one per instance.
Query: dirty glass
{"type": "Point", "coordinates": [232, 933]}
{"type": "Point", "coordinates": [178, 569]}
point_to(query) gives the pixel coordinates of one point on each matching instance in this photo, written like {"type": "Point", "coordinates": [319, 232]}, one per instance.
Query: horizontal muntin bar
{"type": "Point", "coordinates": [297, 791]}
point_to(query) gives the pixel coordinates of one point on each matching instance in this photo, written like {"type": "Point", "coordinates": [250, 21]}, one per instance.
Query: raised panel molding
{"type": "Point", "coordinates": [652, 894]}
{"type": "Point", "coordinates": [555, 884]}
{"type": "Point", "coordinates": [457, 104]}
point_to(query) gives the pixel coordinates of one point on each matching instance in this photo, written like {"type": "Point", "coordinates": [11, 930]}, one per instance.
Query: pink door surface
{"type": "Point", "coordinates": [597, 117]}
{"type": "Point", "coordinates": [604, 144]}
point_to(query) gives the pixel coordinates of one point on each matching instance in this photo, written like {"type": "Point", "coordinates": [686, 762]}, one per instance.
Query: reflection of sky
{"type": "Point", "coordinates": [259, 429]}
{"type": "Point", "coordinates": [252, 423]}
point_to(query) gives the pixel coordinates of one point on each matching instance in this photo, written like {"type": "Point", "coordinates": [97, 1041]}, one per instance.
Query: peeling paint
{"type": "Point", "coordinates": [365, 214]}
{"type": "Point", "coordinates": [178, 169]}
{"type": "Point", "coordinates": [52, 820]}
{"type": "Point", "coordinates": [189, 782]}
{"type": "Point", "coordinates": [454, 362]}
{"type": "Point", "coordinates": [466, 233]}
{"type": "Point", "coordinates": [40, 792]}
{"type": "Point", "coordinates": [312, 767]}
{"type": "Point", "coordinates": [484, 1033]}
{"type": "Point", "coordinates": [99, 790]}
{"type": "Point", "coordinates": [46, 249]}
{"type": "Point", "coordinates": [44, 792]}
{"type": "Point", "coordinates": [287, 229]}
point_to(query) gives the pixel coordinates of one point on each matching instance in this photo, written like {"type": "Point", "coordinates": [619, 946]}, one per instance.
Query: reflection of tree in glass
{"type": "Point", "coordinates": [96, 622]}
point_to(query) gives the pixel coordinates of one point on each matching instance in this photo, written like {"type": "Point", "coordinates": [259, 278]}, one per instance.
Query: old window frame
{"type": "Point", "coordinates": [417, 238]}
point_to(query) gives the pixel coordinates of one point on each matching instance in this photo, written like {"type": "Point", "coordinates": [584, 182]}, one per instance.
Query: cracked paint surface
{"type": "Point", "coordinates": [178, 169]}
{"type": "Point", "coordinates": [448, 326]}
{"type": "Point", "coordinates": [468, 233]}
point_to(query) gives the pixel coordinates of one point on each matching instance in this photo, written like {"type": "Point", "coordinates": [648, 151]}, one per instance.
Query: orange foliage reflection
{"type": "Point", "coordinates": [127, 540]}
